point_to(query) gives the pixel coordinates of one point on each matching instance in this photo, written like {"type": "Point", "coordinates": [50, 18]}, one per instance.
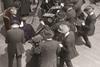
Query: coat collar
{"type": "Point", "coordinates": [91, 13]}
{"type": "Point", "coordinates": [67, 34]}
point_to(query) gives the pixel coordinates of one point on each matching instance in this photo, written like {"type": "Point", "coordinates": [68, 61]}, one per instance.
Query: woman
{"type": "Point", "coordinates": [10, 16]}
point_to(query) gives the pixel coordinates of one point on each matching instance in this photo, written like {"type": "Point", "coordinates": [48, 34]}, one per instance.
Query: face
{"type": "Point", "coordinates": [13, 10]}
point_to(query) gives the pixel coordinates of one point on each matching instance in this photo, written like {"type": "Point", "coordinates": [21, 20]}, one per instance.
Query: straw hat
{"type": "Point", "coordinates": [89, 8]}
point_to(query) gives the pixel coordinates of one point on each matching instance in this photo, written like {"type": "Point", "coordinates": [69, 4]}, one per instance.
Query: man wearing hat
{"type": "Point", "coordinates": [15, 39]}
{"type": "Point", "coordinates": [68, 41]}
{"type": "Point", "coordinates": [71, 14]}
{"type": "Point", "coordinates": [89, 25]}
{"type": "Point", "coordinates": [49, 49]}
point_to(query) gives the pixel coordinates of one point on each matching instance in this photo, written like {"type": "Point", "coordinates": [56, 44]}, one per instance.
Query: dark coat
{"type": "Point", "coordinates": [69, 50]}
{"type": "Point", "coordinates": [78, 5]}
{"type": "Point", "coordinates": [49, 50]}
{"type": "Point", "coordinates": [7, 3]}
{"type": "Point", "coordinates": [15, 39]}
{"type": "Point", "coordinates": [89, 27]}
{"type": "Point", "coordinates": [25, 8]}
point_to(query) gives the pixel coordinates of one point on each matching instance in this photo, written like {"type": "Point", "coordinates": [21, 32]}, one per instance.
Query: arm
{"type": "Point", "coordinates": [22, 24]}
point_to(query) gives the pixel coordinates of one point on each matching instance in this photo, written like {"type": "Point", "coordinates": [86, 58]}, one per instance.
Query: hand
{"type": "Point", "coordinates": [83, 23]}
{"type": "Point", "coordinates": [42, 23]}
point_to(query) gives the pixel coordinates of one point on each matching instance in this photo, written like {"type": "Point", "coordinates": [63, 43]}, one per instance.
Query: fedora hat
{"type": "Point", "coordinates": [47, 33]}
{"type": "Point", "coordinates": [89, 8]}
{"type": "Point", "coordinates": [63, 28]}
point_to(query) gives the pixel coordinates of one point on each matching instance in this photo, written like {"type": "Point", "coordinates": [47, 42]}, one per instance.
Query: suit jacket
{"type": "Point", "coordinates": [15, 39]}
{"type": "Point", "coordinates": [7, 3]}
{"type": "Point", "coordinates": [49, 51]}
{"type": "Point", "coordinates": [78, 6]}
{"type": "Point", "coordinates": [89, 27]}
{"type": "Point", "coordinates": [69, 51]}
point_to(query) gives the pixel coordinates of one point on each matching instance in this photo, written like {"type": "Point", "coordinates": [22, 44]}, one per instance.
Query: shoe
{"type": "Point", "coordinates": [88, 44]}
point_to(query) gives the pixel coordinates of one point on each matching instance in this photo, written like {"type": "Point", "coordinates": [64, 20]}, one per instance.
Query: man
{"type": "Point", "coordinates": [68, 41]}
{"type": "Point", "coordinates": [90, 20]}
{"type": "Point", "coordinates": [71, 15]}
{"type": "Point", "coordinates": [24, 9]}
{"type": "Point", "coordinates": [49, 49]}
{"type": "Point", "coordinates": [15, 40]}
{"type": "Point", "coordinates": [63, 18]}
{"type": "Point", "coordinates": [77, 6]}
{"type": "Point", "coordinates": [89, 25]}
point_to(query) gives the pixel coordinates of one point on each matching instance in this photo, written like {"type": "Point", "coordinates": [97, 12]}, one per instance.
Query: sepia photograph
{"type": "Point", "coordinates": [49, 33]}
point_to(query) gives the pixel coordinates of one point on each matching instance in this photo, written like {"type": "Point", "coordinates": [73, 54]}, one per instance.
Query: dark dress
{"type": "Point", "coordinates": [28, 31]}
{"type": "Point", "coordinates": [69, 51]}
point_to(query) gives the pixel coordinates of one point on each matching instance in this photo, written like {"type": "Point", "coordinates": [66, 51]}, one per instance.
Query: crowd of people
{"type": "Point", "coordinates": [62, 24]}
